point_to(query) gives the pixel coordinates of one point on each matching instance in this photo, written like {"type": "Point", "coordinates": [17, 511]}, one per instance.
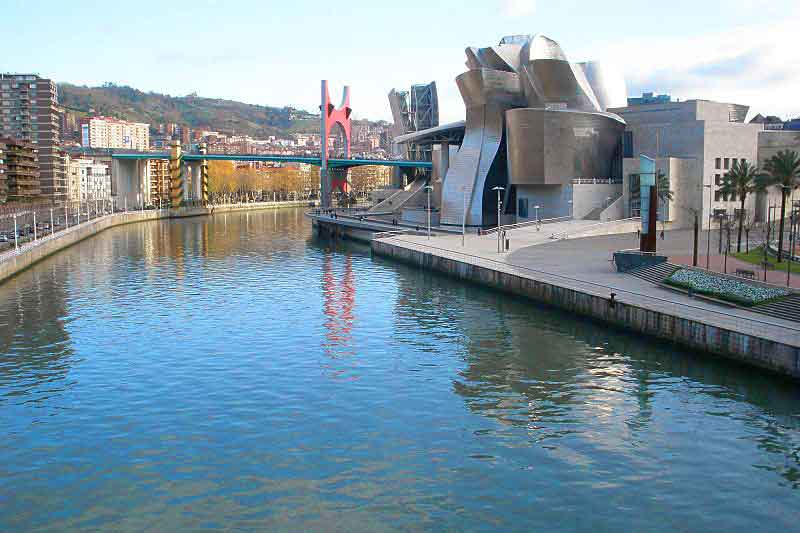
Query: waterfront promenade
{"type": "Point", "coordinates": [583, 266]}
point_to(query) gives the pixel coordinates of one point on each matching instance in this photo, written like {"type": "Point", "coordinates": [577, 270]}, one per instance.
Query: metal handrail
{"type": "Point", "coordinates": [509, 227]}
{"type": "Point", "coordinates": [564, 234]}
{"type": "Point", "coordinates": [608, 287]}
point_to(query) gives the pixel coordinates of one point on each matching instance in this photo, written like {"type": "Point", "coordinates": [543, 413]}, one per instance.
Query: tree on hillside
{"type": "Point", "coordinates": [782, 170]}
{"type": "Point", "coordinates": [739, 182]}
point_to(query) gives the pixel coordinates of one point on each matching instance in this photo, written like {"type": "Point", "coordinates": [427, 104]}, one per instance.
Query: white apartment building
{"type": "Point", "coordinates": [87, 180]}
{"type": "Point", "coordinates": [108, 132]}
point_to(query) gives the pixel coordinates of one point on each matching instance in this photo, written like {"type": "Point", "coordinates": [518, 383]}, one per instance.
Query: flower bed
{"type": "Point", "coordinates": [738, 292]}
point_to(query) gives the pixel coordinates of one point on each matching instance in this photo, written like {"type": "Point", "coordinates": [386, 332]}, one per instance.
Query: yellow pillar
{"type": "Point", "coordinates": [175, 175]}
{"type": "Point", "coordinates": [204, 175]}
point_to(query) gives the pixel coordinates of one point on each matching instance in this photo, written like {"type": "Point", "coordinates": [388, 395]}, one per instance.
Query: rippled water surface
{"type": "Point", "coordinates": [234, 372]}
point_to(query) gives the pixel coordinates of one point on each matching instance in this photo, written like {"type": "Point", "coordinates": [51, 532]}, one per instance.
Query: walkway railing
{"type": "Point", "coordinates": [509, 227]}
{"type": "Point", "coordinates": [565, 234]}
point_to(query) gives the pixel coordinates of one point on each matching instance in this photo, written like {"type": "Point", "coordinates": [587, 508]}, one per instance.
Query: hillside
{"type": "Point", "coordinates": [199, 113]}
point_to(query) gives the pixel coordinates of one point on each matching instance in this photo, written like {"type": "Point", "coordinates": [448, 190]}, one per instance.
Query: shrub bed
{"type": "Point", "coordinates": [731, 290]}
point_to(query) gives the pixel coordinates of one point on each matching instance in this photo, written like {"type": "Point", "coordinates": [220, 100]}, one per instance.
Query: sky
{"type": "Point", "coordinates": [276, 52]}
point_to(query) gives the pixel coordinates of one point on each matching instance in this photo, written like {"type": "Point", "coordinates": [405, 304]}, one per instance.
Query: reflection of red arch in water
{"type": "Point", "coordinates": [338, 302]}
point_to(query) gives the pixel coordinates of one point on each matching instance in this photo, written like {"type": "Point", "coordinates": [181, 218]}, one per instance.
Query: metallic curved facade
{"type": "Point", "coordinates": [532, 118]}
{"type": "Point", "coordinates": [553, 147]}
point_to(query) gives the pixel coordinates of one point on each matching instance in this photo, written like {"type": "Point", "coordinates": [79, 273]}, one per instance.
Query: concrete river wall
{"type": "Point", "coordinates": [12, 261]}
{"type": "Point", "coordinates": [747, 347]}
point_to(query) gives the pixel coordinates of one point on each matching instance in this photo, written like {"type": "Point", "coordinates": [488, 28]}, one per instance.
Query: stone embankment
{"type": "Point", "coordinates": [755, 341]}
{"type": "Point", "coordinates": [14, 261]}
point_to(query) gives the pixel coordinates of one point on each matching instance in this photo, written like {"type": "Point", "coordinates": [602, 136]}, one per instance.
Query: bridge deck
{"type": "Point", "coordinates": [316, 161]}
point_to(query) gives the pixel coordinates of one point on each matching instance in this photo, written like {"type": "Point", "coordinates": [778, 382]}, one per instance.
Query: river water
{"type": "Point", "coordinates": [236, 372]}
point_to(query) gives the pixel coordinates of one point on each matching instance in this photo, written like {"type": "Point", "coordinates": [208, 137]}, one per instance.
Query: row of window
{"type": "Point", "coordinates": [727, 162]}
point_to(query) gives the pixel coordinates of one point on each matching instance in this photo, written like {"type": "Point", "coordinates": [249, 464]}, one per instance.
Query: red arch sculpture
{"type": "Point", "coordinates": [330, 116]}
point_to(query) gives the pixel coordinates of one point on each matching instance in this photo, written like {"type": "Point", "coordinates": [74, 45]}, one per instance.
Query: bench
{"type": "Point", "coordinates": [744, 273]}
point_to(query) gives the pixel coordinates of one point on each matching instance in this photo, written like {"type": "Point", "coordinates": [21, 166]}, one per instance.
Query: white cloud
{"type": "Point", "coordinates": [752, 65]}
{"type": "Point", "coordinates": [518, 8]}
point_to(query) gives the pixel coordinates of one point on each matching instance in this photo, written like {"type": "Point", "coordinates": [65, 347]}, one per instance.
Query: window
{"type": "Point", "coordinates": [727, 163]}
{"type": "Point", "coordinates": [732, 197]}
{"type": "Point", "coordinates": [627, 144]}
{"type": "Point", "coordinates": [733, 162]}
{"type": "Point", "coordinates": [718, 163]}
{"type": "Point", "coordinates": [717, 179]}
{"type": "Point", "coordinates": [717, 196]}
{"type": "Point", "coordinates": [522, 210]}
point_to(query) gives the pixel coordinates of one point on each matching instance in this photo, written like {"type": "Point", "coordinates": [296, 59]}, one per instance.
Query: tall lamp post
{"type": "Point", "coordinates": [790, 255]}
{"type": "Point", "coordinates": [499, 203]}
{"type": "Point", "coordinates": [429, 188]}
{"type": "Point", "coordinates": [464, 217]}
{"type": "Point", "coordinates": [708, 239]}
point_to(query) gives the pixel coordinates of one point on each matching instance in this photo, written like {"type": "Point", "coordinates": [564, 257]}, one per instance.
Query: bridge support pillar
{"type": "Point", "coordinates": [204, 175]}
{"type": "Point", "coordinates": [175, 175]}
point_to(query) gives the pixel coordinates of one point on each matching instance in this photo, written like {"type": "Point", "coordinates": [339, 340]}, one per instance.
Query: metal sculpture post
{"type": "Point", "coordinates": [649, 204]}
{"type": "Point", "coordinates": [330, 116]}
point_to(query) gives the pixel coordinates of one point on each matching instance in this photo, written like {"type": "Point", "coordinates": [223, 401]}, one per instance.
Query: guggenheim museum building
{"type": "Point", "coordinates": [538, 126]}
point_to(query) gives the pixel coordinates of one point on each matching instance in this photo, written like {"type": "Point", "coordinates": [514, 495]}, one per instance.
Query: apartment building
{"type": "Point", "coordinates": [3, 184]}
{"type": "Point", "coordinates": [87, 179]}
{"type": "Point", "coordinates": [694, 143]}
{"type": "Point", "coordinates": [29, 112]}
{"type": "Point", "coordinates": [108, 132]}
{"type": "Point", "coordinates": [158, 170]}
{"type": "Point", "coordinates": [21, 169]}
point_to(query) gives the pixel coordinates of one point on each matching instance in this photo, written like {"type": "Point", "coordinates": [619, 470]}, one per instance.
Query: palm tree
{"type": "Point", "coordinates": [782, 170]}
{"type": "Point", "coordinates": [662, 189]}
{"type": "Point", "coordinates": [739, 182]}
{"type": "Point", "coordinates": [662, 184]}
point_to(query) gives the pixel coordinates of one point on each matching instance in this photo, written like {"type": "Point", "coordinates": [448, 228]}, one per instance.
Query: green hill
{"type": "Point", "coordinates": [199, 113]}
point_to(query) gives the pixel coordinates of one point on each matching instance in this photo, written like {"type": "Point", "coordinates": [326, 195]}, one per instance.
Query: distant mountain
{"type": "Point", "coordinates": [212, 114]}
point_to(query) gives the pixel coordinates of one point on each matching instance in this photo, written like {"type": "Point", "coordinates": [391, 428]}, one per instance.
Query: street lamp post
{"type": "Point", "coordinates": [464, 217]}
{"type": "Point", "coordinates": [790, 255]}
{"type": "Point", "coordinates": [428, 188]}
{"type": "Point", "coordinates": [499, 203]}
{"type": "Point", "coordinates": [35, 236]}
{"type": "Point", "coordinates": [16, 243]}
{"type": "Point", "coordinates": [52, 226]}
{"type": "Point", "coordinates": [708, 239]}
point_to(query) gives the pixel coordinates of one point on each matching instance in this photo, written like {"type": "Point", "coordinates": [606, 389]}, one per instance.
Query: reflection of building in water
{"type": "Point", "coordinates": [33, 341]}
{"type": "Point", "coordinates": [338, 293]}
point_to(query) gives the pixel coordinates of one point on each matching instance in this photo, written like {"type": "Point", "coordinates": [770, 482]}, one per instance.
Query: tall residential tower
{"type": "Point", "coordinates": [29, 113]}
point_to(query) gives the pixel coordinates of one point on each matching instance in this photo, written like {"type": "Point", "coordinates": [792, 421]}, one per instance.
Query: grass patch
{"type": "Point", "coordinates": [756, 257]}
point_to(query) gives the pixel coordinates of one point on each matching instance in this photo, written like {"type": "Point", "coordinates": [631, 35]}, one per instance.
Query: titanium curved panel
{"type": "Point", "coordinates": [487, 95]}
{"type": "Point", "coordinates": [541, 47]}
{"type": "Point", "coordinates": [552, 147]}
{"type": "Point", "coordinates": [607, 83]}
{"type": "Point", "coordinates": [502, 57]}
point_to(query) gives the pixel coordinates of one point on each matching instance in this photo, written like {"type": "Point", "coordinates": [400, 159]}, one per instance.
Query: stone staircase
{"type": "Point", "coordinates": [786, 308]}
{"type": "Point", "coordinates": [655, 274]}
{"type": "Point", "coordinates": [398, 200]}
{"type": "Point", "coordinates": [594, 214]}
